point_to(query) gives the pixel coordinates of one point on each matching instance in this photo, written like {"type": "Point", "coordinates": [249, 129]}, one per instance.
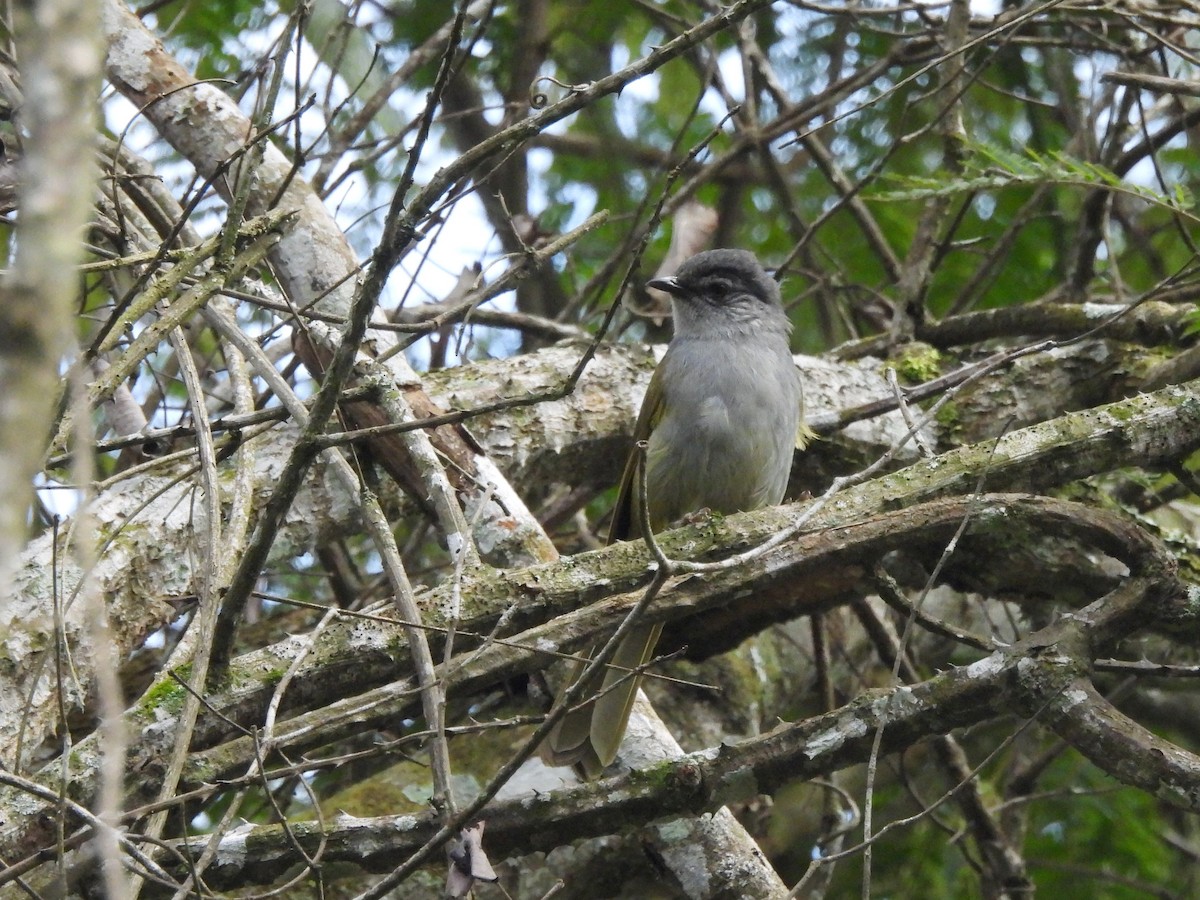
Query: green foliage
{"type": "Point", "coordinates": [1192, 323]}
{"type": "Point", "coordinates": [211, 33]}
{"type": "Point", "coordinates": [1084, 809]}
{"type": "Point", "coordinates": [989, 168]}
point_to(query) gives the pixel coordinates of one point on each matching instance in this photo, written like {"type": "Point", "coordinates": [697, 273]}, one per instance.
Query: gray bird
{"type": "Point", "coordinates": [721, 418]}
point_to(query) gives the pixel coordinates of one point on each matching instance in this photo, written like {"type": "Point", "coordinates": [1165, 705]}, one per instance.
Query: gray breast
{"type": "Point", "coordinates": [733, 451]}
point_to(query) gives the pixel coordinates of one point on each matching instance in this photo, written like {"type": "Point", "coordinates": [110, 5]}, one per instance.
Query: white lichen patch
{"type": "Point", "coordinates": [689, 862]}
{"type": "Point", "coordinates": [901, 701]}
{"type": "Point", "coordinates": [988, 667]}
{"type": "Point", "coordinates": [1098, 311]}
{"type": "Point", "coordinates": [1069, 699]}
{"type": "Point", "coordinates": [367, 636]}
{"type": "Point", "coordinates": [990, 513]}
{"type": "Point", "coordinates": [233, 846]}
{"type": "Point", "coordinates": [675, 830]}
{"type": "Point", "coordinates": [832, 738]}
{"type": "Point", "coordinates": [456, 543]}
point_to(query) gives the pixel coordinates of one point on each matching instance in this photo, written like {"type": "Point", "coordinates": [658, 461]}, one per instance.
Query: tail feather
{"type": "Point", "coordinates": [588, 737]}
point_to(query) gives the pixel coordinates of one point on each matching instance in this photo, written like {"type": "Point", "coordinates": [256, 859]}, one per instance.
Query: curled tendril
{"type": "Point", "coordinates": [539, 99]}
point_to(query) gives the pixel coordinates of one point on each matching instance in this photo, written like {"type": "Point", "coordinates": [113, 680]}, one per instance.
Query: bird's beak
{"type": "Point", "coordinates": [669, 285]}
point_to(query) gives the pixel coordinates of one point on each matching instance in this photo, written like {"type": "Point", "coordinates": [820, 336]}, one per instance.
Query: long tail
{"type": "Point", "coordinates": [588, 737]}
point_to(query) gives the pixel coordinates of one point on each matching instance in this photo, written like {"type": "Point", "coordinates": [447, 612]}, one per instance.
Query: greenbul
{"type": "Point", "coordinates": [721, 418]}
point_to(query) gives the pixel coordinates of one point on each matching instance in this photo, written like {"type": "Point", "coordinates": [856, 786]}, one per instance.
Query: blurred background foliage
{"type": "Point", "coordinates": [1036, 88]}
{"type": "Point", "coordinates": [821, 134]}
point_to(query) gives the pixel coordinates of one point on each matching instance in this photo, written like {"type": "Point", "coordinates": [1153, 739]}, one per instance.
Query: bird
{"type": "Point", "coordinates": [721, 419]}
